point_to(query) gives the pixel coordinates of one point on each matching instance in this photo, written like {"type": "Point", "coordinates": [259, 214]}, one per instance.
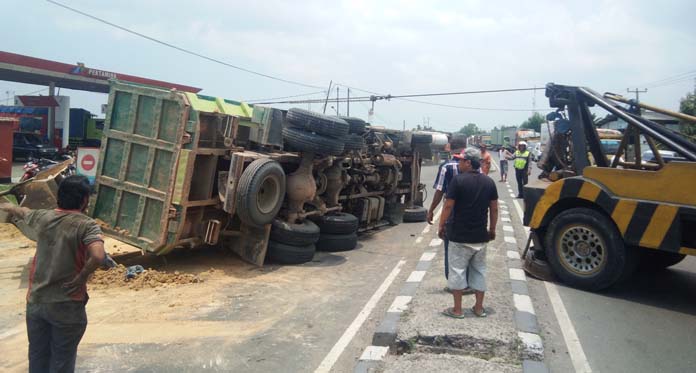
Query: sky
{"type": "Point", "coordinates": [389, 47]}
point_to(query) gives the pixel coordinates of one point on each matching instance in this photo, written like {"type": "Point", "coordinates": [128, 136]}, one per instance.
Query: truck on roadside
{"type": "Point", "coordinates": [180, 170]}
{"type": "Point", "coordinates": [502, 137]}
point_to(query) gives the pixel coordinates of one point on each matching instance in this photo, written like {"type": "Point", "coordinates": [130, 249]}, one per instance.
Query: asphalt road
{"type": "Point", "coordinates": [272, 319]}
{"type": "Point", "coordinates": [645, 325]}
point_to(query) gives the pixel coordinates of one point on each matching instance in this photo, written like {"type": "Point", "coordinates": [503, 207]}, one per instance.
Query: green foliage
{"type": "Point", "coordinates": [534, 122]}
{"type": "Point", "coordinates": [470, 129]}
{"type": "Point", "coordinates": [687, 105]}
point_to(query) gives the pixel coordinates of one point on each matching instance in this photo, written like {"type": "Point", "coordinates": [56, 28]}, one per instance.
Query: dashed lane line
{"type": "Point", "coordinates": [353, 328]}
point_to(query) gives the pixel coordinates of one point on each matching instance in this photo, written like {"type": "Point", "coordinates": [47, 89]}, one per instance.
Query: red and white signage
{"type": "Point", "coordinates": [87, 159]}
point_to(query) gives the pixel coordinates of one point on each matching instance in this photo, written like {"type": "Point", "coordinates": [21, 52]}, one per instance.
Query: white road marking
{"type": "Point", "coordinates": [417, 276]}
{"type": "Point", "coordinates": [400, 303]}
{"type": "Point", "coordinates": [513, 195]}
{"type": "Point", "coordinates": [374, 353]}
{"type": "Point", "coordinates": [504, 212]}
{"type": "Point", "coordinates": [419, 239]}
{"type": "Point", "coordinates": [509, 239]}
{"type": "Point", "coordinates": [532, 342]}
{"type": "Point", "coordinates": [435, 242]}
{"type": "Point", "coordinates": [503, 207]}
{"type": "Point", "coordinates": [502, 202]}
{"type": "Point", "coordinates": [520, 212]}
{"type": "Point", "coordinates": [426, 257]}
{"type": "Point", "coordinates": [517, 274]}
{"type": "Point", "coordinates": [426, 229]}
{"type": "Point", "coordinates": [513, 254]}
{"type": "Point", "coordinates": [508, 228]}
{"type": "Point", "coordinates": [353, 328]}
{"type": "Point", "coordinates": [523, 303]}
{"type": "Point", "coordinates": [577, 354]}
{"type": "Point", "coordinates": [505, 219]}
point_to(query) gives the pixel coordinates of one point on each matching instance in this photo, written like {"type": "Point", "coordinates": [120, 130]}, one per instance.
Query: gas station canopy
{"type": "Point", "coordinates": [31, 70]}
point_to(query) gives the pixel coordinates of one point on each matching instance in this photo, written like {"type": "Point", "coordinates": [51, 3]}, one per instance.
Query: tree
{"type": "Point", "coordinates": [534, 122]}
{"type": "Point", "coordinates": [687, 105]}
{"type": "Point", "coordinates": [469, 130]}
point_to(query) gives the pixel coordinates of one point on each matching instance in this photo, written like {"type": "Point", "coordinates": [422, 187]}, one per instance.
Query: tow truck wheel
{"type": "Point", "coordinates": [585, 250]}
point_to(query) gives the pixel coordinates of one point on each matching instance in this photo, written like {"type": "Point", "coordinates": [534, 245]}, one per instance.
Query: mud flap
{"type": "Point", "coordinates": [251, 244]}
{"type": "Point", "coordinates": [535, 263]}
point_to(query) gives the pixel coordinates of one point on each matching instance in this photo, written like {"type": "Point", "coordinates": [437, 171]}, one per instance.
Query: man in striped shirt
{"type": "Point", "coordinates": [446, 172]}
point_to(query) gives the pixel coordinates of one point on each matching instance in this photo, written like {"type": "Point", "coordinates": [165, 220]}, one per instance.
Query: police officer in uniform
{"type": "Point", "coordinates": [521, 165]}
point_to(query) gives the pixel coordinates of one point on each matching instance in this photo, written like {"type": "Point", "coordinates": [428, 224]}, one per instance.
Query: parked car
{"type": "Point", "coordinates": [30, 145]}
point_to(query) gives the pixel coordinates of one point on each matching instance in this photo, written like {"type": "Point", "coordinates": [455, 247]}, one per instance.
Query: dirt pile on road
{"type": "Point", "coordinates": [151, 278]}
{"type": "Point", "coordinates": [10, 232]}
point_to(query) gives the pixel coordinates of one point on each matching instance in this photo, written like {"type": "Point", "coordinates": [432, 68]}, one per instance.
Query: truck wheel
{"type": "Point", "coordinates": [304, 141]}
{"type": "Point", "coordinates": [337, 223]}
{"type": "Point", "coordinates": [421, 138]}
{"type": "Point", "coordinates": [356, 125]}
{"type": "Point", "coordinates": [318, 123]}
{"type": "Point", "coordinates": [585, 250]}
{"type": "Point", "coordinates": [302, 234]}
{"type": "Point", "coordinates": [354, 142]}
{"type": "Point", "coordinates": [415, 215]}
{"type": "Point", "coordinates": [288, 254]}
{"type": "Point", "coordinates": [260, 192]}
{"type": "Point", "coordinates": [655, 260]}
{"type": "Point", "coordinates": [337, 242]}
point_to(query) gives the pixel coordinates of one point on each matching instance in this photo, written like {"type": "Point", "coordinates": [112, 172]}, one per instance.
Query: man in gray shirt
{"type": "Point", "coordinates": [69, 248]}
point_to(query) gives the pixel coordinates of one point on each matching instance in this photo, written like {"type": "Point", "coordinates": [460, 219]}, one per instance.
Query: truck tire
{"type": "Point", "coordinates": [260, 192]}
{"type": "Point", "coordinates": [356, 125]}
{"type": "Point", "coordinates": [421, 138]}
{"type": "Point", "coordinates": [337, 223]}
{"type": "Point", "coordinates": [337, 242]}
{"type": "Point", "coordinates": [586, 251]}
{"type": "Point", "coordinates": [288, 254]}
{"type": "Point", "coordinates": [354, 142]}
{"type": "Point", "coordinates": [318, 123]}
{"type": "Point", "coordinates": [304, 141]}
{"type": "Point", "coordinates": [415, 215]}
{"type": "Point", "coordinates": [302, 234]}
{"type": "Point", "coordinates": [655, 260]}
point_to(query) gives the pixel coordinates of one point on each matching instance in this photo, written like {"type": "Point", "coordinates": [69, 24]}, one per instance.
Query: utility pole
{"type": "Point", "coordinates": [337, 112]}
{"type": "Point", "coordinates": [348, 104]}
{"type": "Point", "coordinates": [404, 124]}
{"type": "Point", "coordinates": [637, 92]}
{"type": "Point", "coordinates": [328, 92]}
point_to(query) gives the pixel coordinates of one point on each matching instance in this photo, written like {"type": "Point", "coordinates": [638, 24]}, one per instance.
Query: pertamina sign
{"type": "Point", "coordinates": [80, 69]}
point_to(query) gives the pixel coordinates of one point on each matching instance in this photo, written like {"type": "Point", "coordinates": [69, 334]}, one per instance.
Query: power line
{"type": "Point", "coordinates": [180, 48]}
{"type": "Point", "coordinates": [668, 78]}
{"type": "Point", "coordinates": [672, 82]}
{"type": "Point", "coordinates": [409, 98]}
{"type": "Point", "coordinates": [25, 94]}
{"type": "Point", "coordinates": [284, 97]}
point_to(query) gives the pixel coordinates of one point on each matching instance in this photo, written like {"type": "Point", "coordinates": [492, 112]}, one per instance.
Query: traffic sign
{"type": "Point", "coordinates": [87, 159]}
{"type": "Point", "coordinates": [88, 162]}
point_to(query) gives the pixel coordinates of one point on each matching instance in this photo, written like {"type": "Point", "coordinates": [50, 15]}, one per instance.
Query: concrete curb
{"type": "Point", "coordinates": [525, 317]}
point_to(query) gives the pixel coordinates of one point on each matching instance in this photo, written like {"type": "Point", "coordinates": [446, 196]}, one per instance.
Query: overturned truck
{"type": "Point", "coordinates": [182, 170]}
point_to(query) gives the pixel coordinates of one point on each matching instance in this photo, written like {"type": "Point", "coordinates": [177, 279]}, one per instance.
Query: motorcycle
{"type": "Point", "coordinates": [35, 166]}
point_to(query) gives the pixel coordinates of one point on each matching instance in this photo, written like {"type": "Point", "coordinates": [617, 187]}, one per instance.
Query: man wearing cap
{"type": "Point", "coordinates": [521, 165]}
{"type": "Point", "coordinates": [472, 198]}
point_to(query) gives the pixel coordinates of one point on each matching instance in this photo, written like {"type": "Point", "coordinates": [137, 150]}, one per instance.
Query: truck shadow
{"type": "Point", "coordinates": [672, 289]}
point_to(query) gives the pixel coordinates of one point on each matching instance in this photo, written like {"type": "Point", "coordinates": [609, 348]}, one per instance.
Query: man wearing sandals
{"type": "Point", "coordinates": [472, 199]}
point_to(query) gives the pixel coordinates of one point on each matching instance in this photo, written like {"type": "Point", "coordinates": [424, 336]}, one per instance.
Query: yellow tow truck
{"type": "Point", "coordinates": [595, 217]}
